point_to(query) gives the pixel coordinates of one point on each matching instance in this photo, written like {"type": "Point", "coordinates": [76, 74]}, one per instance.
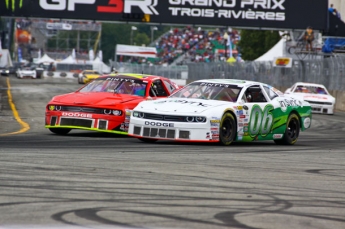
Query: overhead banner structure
{"type": "Point", "coordinates": [139, 51]}
{"type": "Point", "coordinates": [264, 14]}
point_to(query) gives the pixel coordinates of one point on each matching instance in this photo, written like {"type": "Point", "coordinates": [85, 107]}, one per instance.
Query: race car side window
{"type": "Point", "coordinates": [254, 94]}
{"type": "Point", "coordinates": [271, 94]}
{"type": "Point", "coordinates": [170, 87]}
{"type": "Point", "coordinates": [158, 89]}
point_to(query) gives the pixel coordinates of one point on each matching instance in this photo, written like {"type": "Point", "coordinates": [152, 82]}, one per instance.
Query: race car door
{"type": "Point", "coordinates": [255, 118]}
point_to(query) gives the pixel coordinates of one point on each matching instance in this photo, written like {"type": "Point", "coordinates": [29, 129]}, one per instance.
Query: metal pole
{"type": "Point", "coordinates": [131, 37]}
{"type": "Point", "coordinates": [226, 52]}
{"type": "Point", "coordinates": [151, 34]}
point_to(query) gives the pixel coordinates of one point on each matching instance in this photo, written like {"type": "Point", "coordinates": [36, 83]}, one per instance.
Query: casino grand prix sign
{"type": "Point", "coordinates": [294, 14]}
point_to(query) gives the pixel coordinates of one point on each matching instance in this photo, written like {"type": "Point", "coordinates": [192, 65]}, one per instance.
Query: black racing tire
{"type": "Point", "coordinates": [292, 131]}
{"type": "Point", "coordinates": [147, 140]}
{"type": "Point", "coordinates": [227, 129]}
{"type": "Point", "coordinates": [60, 131]}
{"type": "Point", "coordinates": [79, 82]}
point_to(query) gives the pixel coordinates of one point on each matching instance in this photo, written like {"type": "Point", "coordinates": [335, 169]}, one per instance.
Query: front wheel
{"type": "Point", "coordinates": [227, 129]}
{"type": "Point", "coordinates": [147, 140]}
{"type": "Point", "coordinates": [292, 131]}
{"type": "Point", "coordinates": [60, 131]}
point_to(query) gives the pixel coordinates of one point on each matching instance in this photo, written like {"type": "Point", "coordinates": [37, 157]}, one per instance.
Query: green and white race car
{"type": "Point", "coordinates": [222, 110]}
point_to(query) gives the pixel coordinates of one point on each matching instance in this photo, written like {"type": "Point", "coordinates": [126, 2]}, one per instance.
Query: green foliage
{"type": "Point", "coordinates": [255, 43]}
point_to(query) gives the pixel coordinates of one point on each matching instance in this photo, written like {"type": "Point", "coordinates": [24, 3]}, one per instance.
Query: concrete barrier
{"type": "Point", "coordinates": [56, 74]}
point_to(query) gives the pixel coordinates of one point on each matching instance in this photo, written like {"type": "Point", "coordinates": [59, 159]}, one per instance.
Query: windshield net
{"type": "Point", "coordinates": [212, 91]}
{"type": "Point", "coordinates": [116, 85]}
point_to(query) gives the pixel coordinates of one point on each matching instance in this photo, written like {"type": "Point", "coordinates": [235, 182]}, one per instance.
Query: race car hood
{"type": "Point", "coordinates": [179, 105]}
{"type": "Point", "coordinates": [95, 99]}
{"type": "Point", "coordinates": [26, 71]}
{"type": "Point", "coordinates": [314, 97]}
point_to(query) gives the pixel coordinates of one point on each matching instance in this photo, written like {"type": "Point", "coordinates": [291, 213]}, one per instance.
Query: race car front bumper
{"type": "Point", "coordinates": [322, 108]}
{"type": "Point", "coordinates": [176, 131]}
{"type": "Point", "coordinates": [86, 121]}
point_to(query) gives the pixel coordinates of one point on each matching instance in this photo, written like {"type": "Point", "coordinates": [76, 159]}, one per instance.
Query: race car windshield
{"type": "Point", "coordinates": [212, 91]}
{"type": "Point", "coordinates": [311, 89]}
{"type": "Point", "coordinates": [116, 85]}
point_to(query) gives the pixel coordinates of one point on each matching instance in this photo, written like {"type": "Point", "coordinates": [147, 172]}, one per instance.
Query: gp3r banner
{"type": "Point", "coordinates": [296, 14]}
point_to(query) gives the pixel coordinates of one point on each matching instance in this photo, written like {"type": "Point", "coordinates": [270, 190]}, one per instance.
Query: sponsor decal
{"type": "Point", "coordinates": [76, 115]}
{"type": "Point", "coordinates": [215, 137]}
{"type": "Point", "coordinates": [215, 129]}
{"type": "Point", "coordinates": [192, 103]}
{"type": "Point", "coordinates": [208, 135]}
{"type": "Point", "coordinates": [240, 124]}
{"type": "Point", "coordinates": [163, 124]}
{"type": "Point", "coordinates": [240, 107]}
{"type": "Point", "coordinates": [307, 122]}
{"type": "Point", "coordinates": [245, 107]}
{"type": "Point", "coordinates": [249, 9]}
{"type": "Point", "coordinates": [277, 136]}
{"type": "Point", "coordinates": [246, 134]}
{"type": "Point", "coordinates": [215, 121]}
{"type": "Point", "coordinates": [245, 129]}
{"type": "Point", "coordinates": [11, 4]}
{"type": "Point", "coordinates": [288, 103]}
{"type": "Point", "coordinates": [282, 62]}
{"type": "Point", "coordinates": [215, 124]}
{"type": "Point", "coordinates": [239, 138]}
{"type": "Point", "coordinates": [315, 97]}
{"type": "Point", "coordinates": [214, 132]}
{"type": "Point", "coordinates": [242, 116]}
{"type": "Point", "coordinates": [114, 6]}
{"type": "Point", "coordinates": [240, 112]}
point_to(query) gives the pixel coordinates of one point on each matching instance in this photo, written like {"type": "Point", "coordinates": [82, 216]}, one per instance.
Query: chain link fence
{"type": "Point", "coordinates": [328, 71]}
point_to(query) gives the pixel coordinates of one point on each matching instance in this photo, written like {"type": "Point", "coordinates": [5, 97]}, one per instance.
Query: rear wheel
{"type": "Point", "coordinates": [292, 131]}
{"type": "Point", "coordinates": [227, 129]}
{"type": "Point", "coordinates": [60, 131]}
{"type": "Point", "coordinates": [148, 140]}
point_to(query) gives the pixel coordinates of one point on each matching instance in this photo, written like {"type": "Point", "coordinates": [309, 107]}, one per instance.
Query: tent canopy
{"type": "Point", "coordinates": [68, 60]}
{"type": "Point", "coordinates": [276, 51]}
{"type": "Point", "coordinates": [45, 59]}
{"type": "Point", "coordinates": [100, 66]}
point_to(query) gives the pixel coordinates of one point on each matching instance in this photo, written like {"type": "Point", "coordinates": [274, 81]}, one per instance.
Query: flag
{"type": "Point", "coordinates": [91, 55]}
{"type": "Point", "coordinates": [100, 55]}
{"type": "Point", "coordinates": [230, 46]}
{"type": "Point", "coordinates": [20, 57]}
{"type": "Point", "coordinates": [39, 54]}
{"type": "Point", "coordinates": [73, 54]}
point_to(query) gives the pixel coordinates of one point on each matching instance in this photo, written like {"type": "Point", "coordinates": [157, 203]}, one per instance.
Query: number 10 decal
{"type": "Point", "coordinates": [260, 121]}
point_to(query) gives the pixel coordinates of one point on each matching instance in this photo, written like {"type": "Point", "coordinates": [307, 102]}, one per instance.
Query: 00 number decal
{"type": "Point", "coordinates": [261, 121]}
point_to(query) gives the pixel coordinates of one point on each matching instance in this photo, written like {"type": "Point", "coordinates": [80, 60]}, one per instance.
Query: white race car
{"type": "Point", "coordinates": [26, 72]}
{"type": "Point", "coordinates": [222, 111]}
{"type": "Point", "coordinates": [317, 95]}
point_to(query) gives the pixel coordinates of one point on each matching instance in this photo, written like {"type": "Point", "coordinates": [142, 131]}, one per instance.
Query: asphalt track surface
{"type": "Point", "coordinates": [95, 180]}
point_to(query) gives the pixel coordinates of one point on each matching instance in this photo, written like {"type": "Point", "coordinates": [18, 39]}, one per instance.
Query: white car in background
{"type": "Point", "coordinates": [26, 72]}
{"type": "Point", "coordinates": [321, 101]}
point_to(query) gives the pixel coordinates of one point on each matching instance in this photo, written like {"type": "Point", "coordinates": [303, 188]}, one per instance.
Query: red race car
{"type": "Point", "coordinates": [105, 103]}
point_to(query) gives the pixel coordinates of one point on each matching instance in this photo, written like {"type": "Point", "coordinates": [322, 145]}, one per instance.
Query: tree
{"type": "Point", "coordinates": [255, 43]}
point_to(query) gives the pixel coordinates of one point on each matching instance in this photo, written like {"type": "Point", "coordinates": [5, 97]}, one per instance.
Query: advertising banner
{"type": "Point", "coordinates": [139, 51]}
{"type": "Point", "coordinates": [280, 14]}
